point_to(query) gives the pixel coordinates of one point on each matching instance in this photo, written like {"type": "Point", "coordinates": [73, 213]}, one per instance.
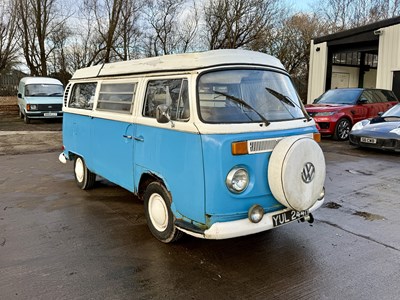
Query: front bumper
{"type": "Point", "coordinates": [43, 114]}
{"type": "Point", "coordinates": [381, 143]}
{"type": "Point", "coordinates": [326, 125]}
{"type": "Point", "coordinates": [225, 230]}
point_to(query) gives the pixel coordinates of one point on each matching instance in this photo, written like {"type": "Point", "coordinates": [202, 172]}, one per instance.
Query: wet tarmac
{"type": "Point", "coordinates": [59, 242]}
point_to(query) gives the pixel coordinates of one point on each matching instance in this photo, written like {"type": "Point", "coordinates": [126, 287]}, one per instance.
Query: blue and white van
{"type": "Point", "coordinates": [217, 144]}
{"type": "Point", "coordinates": [40, 98]}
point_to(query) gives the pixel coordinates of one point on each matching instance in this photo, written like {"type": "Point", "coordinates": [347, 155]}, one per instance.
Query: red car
{"type": "Point", "coordinates": [337, 110]}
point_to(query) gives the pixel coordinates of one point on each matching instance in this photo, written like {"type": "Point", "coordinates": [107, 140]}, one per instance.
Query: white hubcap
{"type": "Point", "coordinates": [79, 170]}
{"type": "Point", "coordinates": [158, 212]}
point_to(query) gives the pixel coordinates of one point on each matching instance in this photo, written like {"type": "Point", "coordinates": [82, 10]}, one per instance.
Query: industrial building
{"type": "Point", "coordinates": [367, 56]}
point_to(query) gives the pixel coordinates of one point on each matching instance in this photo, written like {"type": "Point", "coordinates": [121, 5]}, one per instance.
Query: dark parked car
{"type": "Point", "coordinates": [337, 110]}
{"type": "Point", "coordinates": [381, 132]}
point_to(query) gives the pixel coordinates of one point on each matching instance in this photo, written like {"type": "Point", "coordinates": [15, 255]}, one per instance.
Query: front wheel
{"type": "Point", "coordinates": [84, 178]}
{"type": "Point", "coordinates": [342, 130]}
{"type": "Point", "coordinates": [160, 220]}
{"type": "Point", "coordinates": [27, 120]}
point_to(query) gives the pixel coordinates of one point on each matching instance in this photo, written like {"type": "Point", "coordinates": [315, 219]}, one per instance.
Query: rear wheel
{"type": "Point", "coordinates": [342, 130]}
{"type": "Point", "coordinates": [84, 178]}
{"type": "Point", "coordinates": [160, 220]}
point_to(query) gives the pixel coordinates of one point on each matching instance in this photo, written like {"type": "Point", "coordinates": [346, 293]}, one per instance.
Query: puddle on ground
{"type": "Point", "coordinates": [355, 172]}
{"type": "Point", "coordinates": [333, 205]}
{"type": "Point", "coordinates": [368, 216]}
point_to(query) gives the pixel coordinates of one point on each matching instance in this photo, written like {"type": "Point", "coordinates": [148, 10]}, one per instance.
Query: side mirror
{"type": "Point", "coordinates": [163, 114]}
{"type": "Point", "coordinates": [19, 95]}
{"type": "Point", "coordinates": [362, 101]}
{"type": "Point", "coordinates": [380, 114]}
{"type": "Point", "coordinates": [315, 101]}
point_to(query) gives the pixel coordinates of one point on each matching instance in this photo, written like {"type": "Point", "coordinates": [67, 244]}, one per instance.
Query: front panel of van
{"type": "Point", "coordinates": [223, 205]}
{"type": "Point", "coordinates": [237, 105]}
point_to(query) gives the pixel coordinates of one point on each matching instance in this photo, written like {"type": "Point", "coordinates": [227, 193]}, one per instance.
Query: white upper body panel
{"type": "Point", "coordinates": [39, 80]}
{"type": "Point", "coordinates": [180, 62]}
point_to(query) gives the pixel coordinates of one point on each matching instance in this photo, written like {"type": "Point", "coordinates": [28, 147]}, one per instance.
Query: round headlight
{"type": "Point", "coordinates": [237, 180]}
{"type": "Point", "coordinates": [33, 107]}
{"type": "Point", "coordinates": [360, 125]}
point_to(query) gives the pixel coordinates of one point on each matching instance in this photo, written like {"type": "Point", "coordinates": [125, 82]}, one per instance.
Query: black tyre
{"type": "Point", "coordinates": [157, 207]}
{"type": "Point", "coordinates": [84, 178]}
{"type": "Point", "coordinates": [27, 120]}
{"type": "Point", "coordinates": [21, 115]}
{"type": "Point", "coordinates": [342, 130]}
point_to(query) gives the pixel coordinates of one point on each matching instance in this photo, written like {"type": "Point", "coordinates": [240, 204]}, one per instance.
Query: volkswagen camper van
{"type": "Point", "coordinates": [217, 144]}
{"type": "Point", "coordinates": [40, 98]}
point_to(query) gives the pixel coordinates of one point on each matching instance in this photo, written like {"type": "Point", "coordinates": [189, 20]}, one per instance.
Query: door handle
{"type": "Point", "coordinates": [139, 139]}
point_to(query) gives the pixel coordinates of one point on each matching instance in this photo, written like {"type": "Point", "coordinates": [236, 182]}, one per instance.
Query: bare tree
{"type": "Point", "coordinates": [58, 59]}
{"type": "Point", "coordinates": [86, 46]}
{"type": "Point", "coordinates": [345, 14]}
{"type": "Point", "coordinates": [172, 26]}
{"type": "Point", "coordinates": [38, 20]}
{"type": "Point", "coordinates": [128, 31]}
{"type": "Point", "coordinates": [108, 31]}
{"type": "Point", "coordinates": [238, 23]}
{"type": "Point", "coordinates": [106, 15]}
{"type": "Point", "coordinates": [8, 36]}
{"type": "Point", "coordinates": [291, 44]}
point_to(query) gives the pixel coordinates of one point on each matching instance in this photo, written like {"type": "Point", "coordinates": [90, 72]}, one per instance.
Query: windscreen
{"type": "Point", "coordinates": [339, 97]}
{"type": "Point", "coordinates": [247, 96]}
{"type": "Point", "coordinates": [44, 90]}
{"type": "Point", "coordinates": [393, 112]}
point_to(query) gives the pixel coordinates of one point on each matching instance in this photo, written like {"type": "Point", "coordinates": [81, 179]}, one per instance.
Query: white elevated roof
{"type": "Point", "coordinates": [180, 62]}
{"type": "Point", "coordinates": [40, 80]}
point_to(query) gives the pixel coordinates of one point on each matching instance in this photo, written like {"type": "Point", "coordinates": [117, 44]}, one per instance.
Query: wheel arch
{"type": "Point", "coordinates": [349, 118]}
{"type": "Point", "coordinates": [145, 179]}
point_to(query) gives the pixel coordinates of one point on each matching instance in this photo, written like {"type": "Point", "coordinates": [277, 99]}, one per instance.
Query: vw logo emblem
{"type": "Point", "coordinates": [308, 172]}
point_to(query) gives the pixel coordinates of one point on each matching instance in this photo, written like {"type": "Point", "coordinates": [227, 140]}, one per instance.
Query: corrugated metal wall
{"type": "Point", "coordinates": [388, 56]}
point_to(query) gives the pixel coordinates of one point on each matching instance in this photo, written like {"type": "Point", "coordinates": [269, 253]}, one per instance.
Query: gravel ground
{"type": "Point", "coordinates": [16, 137]}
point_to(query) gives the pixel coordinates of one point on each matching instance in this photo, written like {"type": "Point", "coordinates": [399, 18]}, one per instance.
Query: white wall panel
{"type": "Point", "coordinates": [388, 56]}
{"type": "Point", "coordinates": [317, 74]}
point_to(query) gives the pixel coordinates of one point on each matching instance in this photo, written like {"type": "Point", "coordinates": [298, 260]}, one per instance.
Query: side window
{"type": "Point", "coordinates": [116, 97]}
{"type": "Point", "coordinates": [82, 95]}
{"type": "Point", "coordinates": [172, 92]}
{"type": "Point", "coordinates": [378, 96]}
{"type": "Point", "coordinates": [367, 95]}
{"type": "Point", "coordinates": [387, 96]}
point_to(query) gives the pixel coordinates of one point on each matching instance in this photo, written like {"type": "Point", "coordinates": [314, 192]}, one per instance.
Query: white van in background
{"type": "Point", "coordinates": [40, 97]}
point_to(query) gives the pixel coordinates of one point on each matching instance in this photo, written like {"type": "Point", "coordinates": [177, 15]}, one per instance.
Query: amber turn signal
{"type": "Point", "coordinates": [317, 137]}
{"type": "Point", "coordinates": [239, 148]}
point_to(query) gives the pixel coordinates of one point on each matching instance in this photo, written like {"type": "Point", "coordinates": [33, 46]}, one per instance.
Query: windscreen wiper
{"type": "Point", "coordinates": [287, 100]}
{"type": "Point", "coordinates": [244, 103]}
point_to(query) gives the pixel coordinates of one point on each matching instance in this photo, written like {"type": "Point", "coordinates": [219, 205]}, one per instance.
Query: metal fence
{"type": "Point", "coordinates": [9, 82]}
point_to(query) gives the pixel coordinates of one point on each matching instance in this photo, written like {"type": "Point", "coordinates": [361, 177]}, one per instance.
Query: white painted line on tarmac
{"type": "Point", "coordinates": [27, 132]}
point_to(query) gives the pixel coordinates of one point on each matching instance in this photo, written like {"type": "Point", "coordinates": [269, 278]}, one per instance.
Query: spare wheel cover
{"type": "Point", "coordinates": [296, 172]}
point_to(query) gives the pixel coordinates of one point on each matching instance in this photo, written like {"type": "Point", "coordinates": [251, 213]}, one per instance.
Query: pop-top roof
{"type": "Point", "coordinates": [180, 62]}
